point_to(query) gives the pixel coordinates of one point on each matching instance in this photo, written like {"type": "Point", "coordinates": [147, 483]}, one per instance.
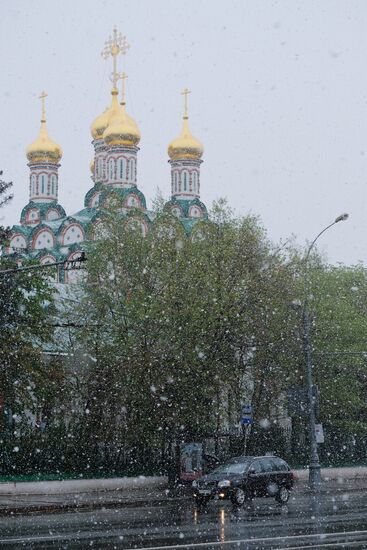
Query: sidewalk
{"type": "Point", "coordinates": [144, 491]}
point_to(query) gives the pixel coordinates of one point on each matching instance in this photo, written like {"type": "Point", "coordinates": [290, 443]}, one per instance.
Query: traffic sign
{"type": "Point", "coordinates": [246, 415]}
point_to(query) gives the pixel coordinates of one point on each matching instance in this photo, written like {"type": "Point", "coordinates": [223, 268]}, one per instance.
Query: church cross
{"type": "Point", "coordinates": [42, 97]}
{"type": "Point", "coordinates": [185, 93]}
{"type": "Point", "coordinates": [114, 46]}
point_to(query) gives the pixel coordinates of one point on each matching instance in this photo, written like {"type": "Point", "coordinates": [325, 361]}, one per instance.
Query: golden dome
{"type": "Point", "coordinates": [186, 145]}
{"type": "Point", "coordinates": [122, 128]}
{"type": "Point", "coordinates": [100, 124]}
{"type": "Point", "coordinates": [102, 121]}
{"type": "Point", "coordinates": [44, 148]}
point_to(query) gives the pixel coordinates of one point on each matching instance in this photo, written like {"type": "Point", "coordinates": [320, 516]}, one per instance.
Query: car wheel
{"type": "Point", "coordinates": [239, 497]}
{"type": "Point", "coordinates": [282, 495]}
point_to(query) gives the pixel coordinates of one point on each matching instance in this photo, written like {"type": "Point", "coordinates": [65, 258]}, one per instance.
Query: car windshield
{"type": "Point", "coordinates": [232, 468]}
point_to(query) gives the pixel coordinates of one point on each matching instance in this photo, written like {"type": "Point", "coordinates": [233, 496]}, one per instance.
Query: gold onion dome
{"type": "Point", "coordinates": [122, 128]}
{"type": "Point", "coordinates": [186, 145]}
{"type": "Point", "coordinates": [100, 124]}
{"type": "Point", "coordinates": [44, 148]}
{"type": "Point", "coordinates": [102, 121]}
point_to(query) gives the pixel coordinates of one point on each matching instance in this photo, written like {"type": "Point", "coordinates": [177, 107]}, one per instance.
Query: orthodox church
{"type": "Point", "coordinates": [47, 235]}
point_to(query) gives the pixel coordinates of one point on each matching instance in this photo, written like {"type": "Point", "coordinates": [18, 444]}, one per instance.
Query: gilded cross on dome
{"type": "Point", "coordinates": [185, 93]}
{"type": "Point", "coordinates": [43, 97]}
{"type": "Point", "coordinates": [114, 46]}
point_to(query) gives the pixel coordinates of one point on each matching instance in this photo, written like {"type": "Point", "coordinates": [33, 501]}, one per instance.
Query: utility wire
{"type": "Point", "coordinates": [67, 264]}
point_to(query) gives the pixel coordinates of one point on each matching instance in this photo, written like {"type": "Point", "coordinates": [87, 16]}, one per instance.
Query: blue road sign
{"type": "Point", "coordinates": [246, 414]}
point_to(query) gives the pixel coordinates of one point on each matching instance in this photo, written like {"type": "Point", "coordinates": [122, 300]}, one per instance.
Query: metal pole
{"type": "Point", "coordinates": [314, 468]}
{"type": "Point", "coordinates": [246, 433]}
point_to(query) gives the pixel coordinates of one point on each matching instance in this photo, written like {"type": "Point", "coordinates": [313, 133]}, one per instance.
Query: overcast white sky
{"type": "Point", "coordinates": [279, 100]}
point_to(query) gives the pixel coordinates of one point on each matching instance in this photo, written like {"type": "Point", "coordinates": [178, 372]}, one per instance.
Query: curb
{"type": "Point", "coordinates": [336, 474]}
{"type": "Point", "coordinates": [71, 486]}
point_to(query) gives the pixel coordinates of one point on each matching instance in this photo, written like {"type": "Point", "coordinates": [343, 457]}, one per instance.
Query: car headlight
{"type": "Point", "coordinates": [224, 483]}
{"type": "Point", "coordinates": [194, 483]}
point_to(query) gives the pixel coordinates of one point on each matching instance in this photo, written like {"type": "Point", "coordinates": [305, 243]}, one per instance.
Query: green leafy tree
{"type": "Point", "coordinates": [25, 304]}
{"type": "Point", "coordinates": [181, 330]}
{"type": "Point", "coordinates": [339, 339]}
{"type": "Point", "coordinates": [174, 322]}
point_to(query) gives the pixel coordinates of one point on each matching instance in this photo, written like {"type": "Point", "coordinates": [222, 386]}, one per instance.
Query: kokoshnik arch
{"type": "Point", "coordinates": [46, 234]}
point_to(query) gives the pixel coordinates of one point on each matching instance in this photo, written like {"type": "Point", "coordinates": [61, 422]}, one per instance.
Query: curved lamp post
{"type": "Point", "coordinates": [314, 469]}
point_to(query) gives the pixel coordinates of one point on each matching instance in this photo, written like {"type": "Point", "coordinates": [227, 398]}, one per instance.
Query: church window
{"type": "Point", "coordinates": [121, 169]}
{"type": "Point", "coordinates": [33, 184]}
{"type": "Point", "coordinates": [42, 184]}
{"type": "Point", "coordinates": [53, 184]}
{"type": "Point", "coordinates": [195, 180]}
{"type": "Point", "coordinates": [132, 170]}
{"type": "Point", "coordinates": [185, 181]}
{"type": "Point", "coordinates": [195, 212]}
{"type": "Point", "coordinates": [112, 169]}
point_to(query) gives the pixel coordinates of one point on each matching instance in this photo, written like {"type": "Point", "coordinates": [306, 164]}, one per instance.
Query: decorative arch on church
{"type": "Point", "coordinates": [32, 216]}
{"type": "Point", "coordinates": [195, 211]}
{"type": "Point", "coordinates": [74, 275]}
{"type": "Point", "coordinates": [43, 238]}
{"type": "Point", "coordinates": [132, 201]}
{"type": "Point", "coordinates": [47, 259]}
{"type": "Point", "coordinates": [18, 241]}
{"type": "Point", "coordinates": [137, 223]}
{"type": "Point", "coordinates": [52, 214]}
{"type": "Point", "coordinates": [72, 233]}
{"type": "Point", "coordinates": [94, 201]}
{"type": "Point", "coordinates": [177, 211]}
{"type": "Point", "coordinates": [98, 230]}
{"type": "Point", "coordinates": [50, 259]}
{"type": "Point", "coordinates": [170, 228]}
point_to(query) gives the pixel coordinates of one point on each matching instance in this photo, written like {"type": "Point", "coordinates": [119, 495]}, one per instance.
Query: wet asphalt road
{"type": "Point", "coordinates": [334, 520]}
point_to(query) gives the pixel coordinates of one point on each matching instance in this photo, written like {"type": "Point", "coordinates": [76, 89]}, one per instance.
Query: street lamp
{"type": "Point", "coordinates": [314, 468]}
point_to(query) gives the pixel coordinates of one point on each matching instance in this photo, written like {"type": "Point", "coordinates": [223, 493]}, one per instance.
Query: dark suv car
{"type": "Point", "coordinates": [245, 477]}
